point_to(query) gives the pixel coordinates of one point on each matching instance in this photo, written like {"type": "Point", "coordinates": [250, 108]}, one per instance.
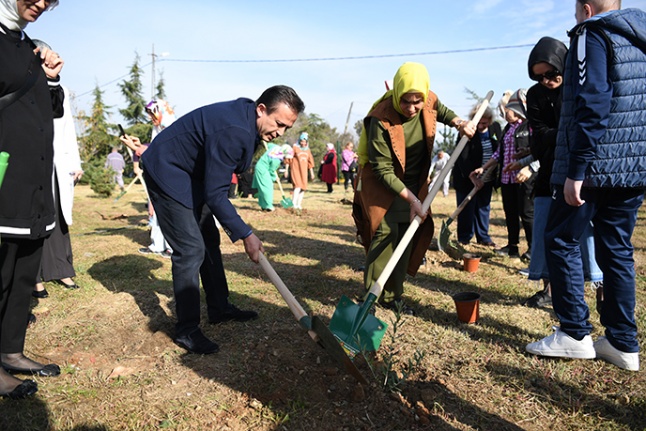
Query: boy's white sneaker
{"type": "Point", "coordinates": [561, 345]}
{"type": "Point", "coordinates": [608, 352]}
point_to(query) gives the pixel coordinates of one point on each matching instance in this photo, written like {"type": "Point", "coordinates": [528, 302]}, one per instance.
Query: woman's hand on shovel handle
{"type": "Point", "coordinates": [476, 179]}
{"type": "Point", "coordinates": [416, 210]}
{"type": "Point", "coordinates": [465, 128]}
{"type": "Point", "coordinates": [253, 247]}
{"type": "Point", "coordinates": [469, 129]}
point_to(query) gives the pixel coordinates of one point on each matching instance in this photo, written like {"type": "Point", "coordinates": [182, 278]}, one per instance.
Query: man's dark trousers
{"type": "Point", "coordinates": [613, 213]}
{"type": "Point", "coordinates": [518, 204]}
{"type": "Point", "coordinates": [474, 218]}
{"type": "Point", "coordinates": [195, 240]}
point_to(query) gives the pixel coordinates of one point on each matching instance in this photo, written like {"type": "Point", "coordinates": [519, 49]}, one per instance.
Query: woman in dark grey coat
{"type": "Point", "coordinates": [28, 105]}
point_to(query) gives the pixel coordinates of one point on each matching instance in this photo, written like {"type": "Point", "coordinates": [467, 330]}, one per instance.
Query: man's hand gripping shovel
{"type": "Point", "coordinates": [352, 324]}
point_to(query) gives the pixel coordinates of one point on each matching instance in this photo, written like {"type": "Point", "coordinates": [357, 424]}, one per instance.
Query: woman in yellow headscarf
{"type": "Point", "coordinates": [395, 152]}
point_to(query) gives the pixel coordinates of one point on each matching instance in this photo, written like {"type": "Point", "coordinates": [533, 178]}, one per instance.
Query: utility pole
{"type": "Point", "coordinates": [340, 146]}
{"type": "Point", "coordinates": [152, 78]}
{"type": "Point", "coordinates": [347, 120]}
{"type": "Point", "coordinates": [152, 84]}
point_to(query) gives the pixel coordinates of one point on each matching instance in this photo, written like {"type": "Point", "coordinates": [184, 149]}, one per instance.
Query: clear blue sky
{"type": "Point", "coordinates": [98, 41]}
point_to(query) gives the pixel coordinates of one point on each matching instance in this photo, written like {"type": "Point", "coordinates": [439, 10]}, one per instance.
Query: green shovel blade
{"type": "Point", "coordinates": [356, 329]}
{"type": "Point", "coordinates": [445, 234]}
{"type": "Point", "coordinates": [330, 343]}
{"type": "Point", "coordinates": [286, 203]}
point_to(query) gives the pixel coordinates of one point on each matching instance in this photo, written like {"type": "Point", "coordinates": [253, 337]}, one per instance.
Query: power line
{"type": "Point", "coordinates": [358, 57]}
{"type": "Point", "coordinates": [316, 59]}
{"type": "Point", "coordinates": [112, 81]}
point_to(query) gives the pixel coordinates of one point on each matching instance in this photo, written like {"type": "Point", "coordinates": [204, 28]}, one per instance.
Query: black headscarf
{"type": "Point", "coordinates": [547, 50]}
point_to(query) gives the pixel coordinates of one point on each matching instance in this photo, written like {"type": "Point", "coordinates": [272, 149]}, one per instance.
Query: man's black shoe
{"type": "Point", "coordinates": [398, 305]}
{"type": "Point", "coordinates": [508, 250]}
{"type": "Point", "coordinates": [489, 243]}
{"type": "Point", "coordinates": [538, 300]}
{"type": "Point", "coordinates": [233, 313]}
{"type": "Point", "coordinates": [196, 342]}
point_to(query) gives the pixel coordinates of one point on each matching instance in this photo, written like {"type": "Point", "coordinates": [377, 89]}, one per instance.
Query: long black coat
{"type": "Point", "coordinates": [26, 133]}
{"type": "Point", "coordinates": [471, 158]}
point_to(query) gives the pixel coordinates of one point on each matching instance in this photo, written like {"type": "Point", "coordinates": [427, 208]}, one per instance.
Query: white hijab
{"type": "Point", "coordinates": [9, 14]}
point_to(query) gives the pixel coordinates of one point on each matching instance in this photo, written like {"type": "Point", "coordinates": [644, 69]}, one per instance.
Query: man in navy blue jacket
{"type": "Point", "coordinates": [599, 175]}
{"type": "Point", "coordinates": [188, 169]}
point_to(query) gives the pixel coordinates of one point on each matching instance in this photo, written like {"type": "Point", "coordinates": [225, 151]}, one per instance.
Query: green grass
{"type": "Point", "coordinates": [121, 370]}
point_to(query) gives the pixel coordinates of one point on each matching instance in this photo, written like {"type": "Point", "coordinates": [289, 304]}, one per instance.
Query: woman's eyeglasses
{"type": "Point", "coordinates": [550, 75]}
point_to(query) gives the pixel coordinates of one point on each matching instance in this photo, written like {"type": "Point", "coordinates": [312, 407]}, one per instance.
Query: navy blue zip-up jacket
{"type": "Point", "coordinates": [602, 131]}
{"type": "Point", "coordinates": [193, 159]}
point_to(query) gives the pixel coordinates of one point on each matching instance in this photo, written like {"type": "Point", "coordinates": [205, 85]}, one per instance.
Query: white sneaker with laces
{"type": "Point", "coordinates": [608, 352]}
{"type": "Point", "coordinates": [561, 345]}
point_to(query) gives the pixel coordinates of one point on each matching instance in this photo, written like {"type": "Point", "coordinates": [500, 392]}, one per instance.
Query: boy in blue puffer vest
{"type": "Point", "coordinates": [599, 175]}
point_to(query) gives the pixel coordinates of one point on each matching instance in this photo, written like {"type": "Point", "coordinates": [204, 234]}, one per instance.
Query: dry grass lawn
{"type": "Point", "coordinates": [121, 370]}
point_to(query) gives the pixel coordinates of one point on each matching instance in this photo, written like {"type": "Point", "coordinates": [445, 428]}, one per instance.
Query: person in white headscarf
{"type": "Point", "coordinates": [161, 116]}
{"type": "Point", "coordinates": [57, 263]}
{"type": "Point", "coordinates": [329, 171]}
{"type": "Point", "coordinates": [30, 98]}
{"type": "Point", "coordinates": [298, 168]}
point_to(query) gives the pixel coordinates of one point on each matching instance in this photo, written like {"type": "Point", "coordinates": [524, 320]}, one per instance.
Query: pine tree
{"type": "Point", "coordinates": [94, 145]}
{"type": "Point", "coordinates": [445, 139]}
{"type": "Point", "coordinates": [95, 141]}
{"type": "Point", "coordinates": [160, 92]}
{"type": "Point", "coordinates": [132, 90]}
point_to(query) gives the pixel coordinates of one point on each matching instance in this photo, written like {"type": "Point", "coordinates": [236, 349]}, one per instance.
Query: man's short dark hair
{"type": "Point", "coordinates": [273, 96]}
{"type": "Point", "coordinates": [600, 4]}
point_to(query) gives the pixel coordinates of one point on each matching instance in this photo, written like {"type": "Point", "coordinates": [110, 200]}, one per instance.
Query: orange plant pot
{"type": "Point", "coordinates": [471, 261]}
{"type": "Point", "coordinates": [467, 305]}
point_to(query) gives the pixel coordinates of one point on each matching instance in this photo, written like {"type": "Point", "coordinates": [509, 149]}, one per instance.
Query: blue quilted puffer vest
{"type": "Point", "coordinates": [620, 159]}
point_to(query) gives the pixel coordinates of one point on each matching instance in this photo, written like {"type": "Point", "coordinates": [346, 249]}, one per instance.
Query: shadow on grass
{"type": "Point", "coordinates": [447, 404]}
{"type": "Point", "coordinates": [32, 414]}
{"type": "Point", "coordinates": [133, 274]}
{"type": "Point", "coordinates": [571, 399]}
{"type": "Point", "coordinates": [273, 360]}
{"type": "Point", "coordinates": [261, 358]}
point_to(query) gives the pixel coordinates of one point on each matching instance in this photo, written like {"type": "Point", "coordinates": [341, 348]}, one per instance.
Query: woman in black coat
{"type": "Point", "coordinates": [474, 218]}
{"type": "Point", "coordinates": [30, 98]}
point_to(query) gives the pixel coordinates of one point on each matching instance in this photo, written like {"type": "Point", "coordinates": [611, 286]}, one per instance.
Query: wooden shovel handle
{"type": "Point", "coordinates": [292, 303]}
{"type": "Point", "coordinates": [464, 202]}
{"type": "Point", "coordinates": [486, 177]}
{"type": "Point", "coordinates": [280, 187]}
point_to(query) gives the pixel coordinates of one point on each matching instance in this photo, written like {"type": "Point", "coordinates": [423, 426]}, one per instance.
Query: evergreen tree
{"type": "Point", "coordinates": [160, 92]}
{"type": "Point", "coordinates": [446, 139]}
{"type": "Point", "coordinates": [95, 142]}
{"type": "Point", "coordinates": [132, 90]}
{"type": "Point", "coordinates": [94, 145]}
{"type": "Point", "coordinates": [358, 127]}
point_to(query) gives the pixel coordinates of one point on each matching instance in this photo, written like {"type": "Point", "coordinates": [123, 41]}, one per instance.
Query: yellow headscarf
{"type": "Point", "coordinates": [410, 78]}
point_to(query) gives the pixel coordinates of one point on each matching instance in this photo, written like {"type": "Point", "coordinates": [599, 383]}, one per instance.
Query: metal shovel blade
{"type": "Point", "coordinates": [445, 234]}
{"type": "Point", "coordinates": [286, 202]}
{"type": "Point", "coordinates": [349, 316]}
{"type": "Point", "coordinates": [315, 328]}
{"type": "Point", "coordinates": [327, 340]}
